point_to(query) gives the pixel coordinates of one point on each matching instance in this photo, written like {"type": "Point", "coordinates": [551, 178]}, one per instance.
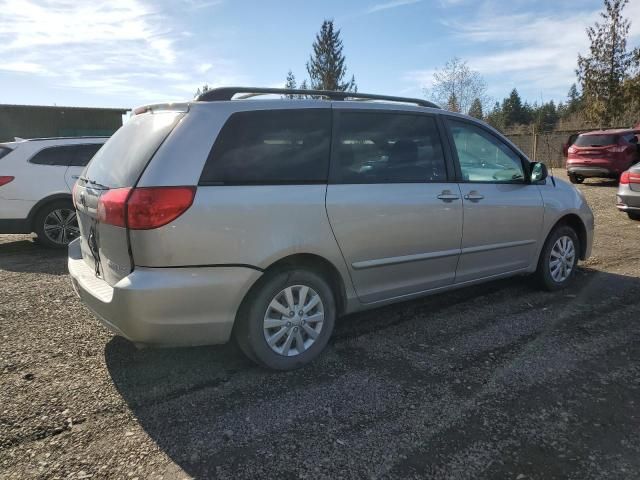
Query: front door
{"type": "Point", "coordinates": [503, 212]}
{"type": "Point", "coordinates": [394, 213]}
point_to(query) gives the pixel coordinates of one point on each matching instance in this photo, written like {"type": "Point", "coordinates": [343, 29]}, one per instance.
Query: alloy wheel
{"type": "Point", "coordinates": [61, 226]}
{"type": "Point", "coordinates": [293, 320]}
{"type": "Point", "coordinates": [562, 259]}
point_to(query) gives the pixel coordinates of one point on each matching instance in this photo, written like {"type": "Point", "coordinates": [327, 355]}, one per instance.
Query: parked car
{"type": "Point", "coordinates": [628, 198]}
{"type": "Point", "coordinates": [266, 219]}
{"type": "Point", "coordinates": [36, 177]}
{"type": "Point", "coordinates": [603, 154]}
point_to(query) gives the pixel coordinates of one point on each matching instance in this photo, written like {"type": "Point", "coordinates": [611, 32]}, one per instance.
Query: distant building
{"type": "Point", "coordinates": [36, 121]}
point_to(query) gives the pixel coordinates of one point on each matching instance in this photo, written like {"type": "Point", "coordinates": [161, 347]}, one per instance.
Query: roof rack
{"type": "Point", "coordinates": [227, 93]}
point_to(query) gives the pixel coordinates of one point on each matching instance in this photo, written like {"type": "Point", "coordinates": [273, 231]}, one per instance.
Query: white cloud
{"type": "Point", "coordinates": [529, 50]}
{"type": "Point", "coordinates": [111, 47]}
{"type": "Point", "coordinates": [391, 4]}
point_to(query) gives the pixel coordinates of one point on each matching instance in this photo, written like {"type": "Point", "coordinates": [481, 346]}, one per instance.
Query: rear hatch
{"type": "Point", "coordinates": [594, 150]}
{"type": "Point", "coordinates": [112, 172]}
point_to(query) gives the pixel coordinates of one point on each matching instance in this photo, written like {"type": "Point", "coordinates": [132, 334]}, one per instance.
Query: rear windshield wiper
{"type": "Point", "coordinates": [93, 182]}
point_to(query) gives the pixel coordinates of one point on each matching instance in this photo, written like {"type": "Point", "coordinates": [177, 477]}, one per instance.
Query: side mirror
{"type": "Point", "coordinates": [539, 172]}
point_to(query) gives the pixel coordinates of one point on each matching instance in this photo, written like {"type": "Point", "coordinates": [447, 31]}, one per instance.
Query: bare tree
{"type": "Point", "coordinates": [457, 81]}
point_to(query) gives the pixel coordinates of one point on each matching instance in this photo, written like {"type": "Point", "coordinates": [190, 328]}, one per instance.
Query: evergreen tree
{"type": "Point", "coordinates": [205, 88]}
{"type": "Point", "coordinates": [452, 103]}
{"type": "Point", "coordinates": [326, 66]}
{"type": "Point", "coordinates": [603, 71]}
{"type": "Point", "coordinates": [495, 118]}
{"type": "Point", "coordinates": [574, 101]}
{"type": "Point", "coordinates": [476, 109]}
{"type": "Point", "coordinates": [513, 112]}
{"type": "Point", "coordinates": [290, 84]}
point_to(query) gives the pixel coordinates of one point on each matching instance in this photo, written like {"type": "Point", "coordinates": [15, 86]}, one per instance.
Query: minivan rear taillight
{"type": "Point", "coordinates": [5, 179]}
{"type": "Point", "coordinates": [629, 177]}
{"type": "Point", "coordinates": [144, 208]}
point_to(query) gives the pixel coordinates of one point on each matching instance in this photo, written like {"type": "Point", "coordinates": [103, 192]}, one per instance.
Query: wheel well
{"type": "Point", "coordinates": [44, 202]}
{"type": "Point", "coordinates": [319, 265]}
{"type": "Point", "coordinates": [574, 221]}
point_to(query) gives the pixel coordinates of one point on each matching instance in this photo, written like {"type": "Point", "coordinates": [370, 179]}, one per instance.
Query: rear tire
{"type": "Point", "coordinates": [634, 215]}
{"type": "Point", "coordinates": [56, 224]}
{"type": "Point", "coordinates": [576, 178]}
{"type": "Point", "coordinates": [294, 340]}
{"type": "Point", "coordinates": [558, 259]}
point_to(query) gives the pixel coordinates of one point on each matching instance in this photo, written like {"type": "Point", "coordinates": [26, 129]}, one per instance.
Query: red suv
{"type": "Point", "coordinates": [604, 154]}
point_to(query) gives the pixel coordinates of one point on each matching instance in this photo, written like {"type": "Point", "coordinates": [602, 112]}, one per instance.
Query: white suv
{"type": "Point", "coordinates": [36, 178]}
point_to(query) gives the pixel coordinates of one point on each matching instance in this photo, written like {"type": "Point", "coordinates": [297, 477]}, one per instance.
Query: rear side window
{"type": "Point", "coordinates": [59, 156]}
{"type": "Point", "coordinates": [84, 153]}
{"type": "Point", "coordinates": [4, 151]}
{"type": "Point", "coordinates": [271, 147]}
{"type": "Point", "coordinates": [120, 161]}
{"type": "Point", "coordinates": [68, 155]}
{"type": "Point", "coordinates": [376, 147]}
{"type": "Point", "coordinates": [596, 140]}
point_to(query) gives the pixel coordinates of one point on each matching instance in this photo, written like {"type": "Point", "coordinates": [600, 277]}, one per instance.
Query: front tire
{"type": "Point", "coordinates": [559, 259]}
{"type": "Point", "coordinates": [288, 320]}
{"type": "Point", "coordinates": [634, 215]}
{"type": "Point", "coordinates": [56, 224]}
{"type": "Point", "coordinates": [576, 179]}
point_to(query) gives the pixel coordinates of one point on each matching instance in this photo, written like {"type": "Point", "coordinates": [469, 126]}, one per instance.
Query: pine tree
{"type": "Point", "coordinates": [452, 103]}
{"type": "Point", "coordinates": [326, 66]}
{"type": "Point", "coordinates": [574, 101]}
{"type": "Point", "coordinates": [495, 118]}
{"type": "Point", "coordinates": [476, 109]}
{"type": "Point", "coordinates": [513, 111]}
{"type": "Point", "coordinates": [290, 84]}
{"type": "Point", "coordinates": [603, 71]}
{"type": "Point", "coordinates": [205, 88]}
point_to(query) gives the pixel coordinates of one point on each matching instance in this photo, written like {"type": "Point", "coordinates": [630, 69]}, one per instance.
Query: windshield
{"type": "Point", "coordinates": [120, 162]}
{"type": "Point", "coordinates": [596, 140]}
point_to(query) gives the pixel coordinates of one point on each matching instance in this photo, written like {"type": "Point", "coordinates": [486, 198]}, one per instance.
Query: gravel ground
{"type": "Point", "coordinates": [495, 381]}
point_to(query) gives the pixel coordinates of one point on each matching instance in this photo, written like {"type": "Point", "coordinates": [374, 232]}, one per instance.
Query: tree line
{"type": "Point", "coordinates": [606, 91]}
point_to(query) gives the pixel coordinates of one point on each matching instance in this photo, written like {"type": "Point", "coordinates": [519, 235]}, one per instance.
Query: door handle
{"type": "Point", "coordinates": [447, 196]}
{"type": "Point", "coordinates": [473, 196]}
{"type": "Point", "coordinates": [75, 177]}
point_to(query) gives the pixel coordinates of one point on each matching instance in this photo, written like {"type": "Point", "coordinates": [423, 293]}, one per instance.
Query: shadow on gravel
{"type": "Point", "coordinates": [214, 412]}
{"type": "Point", "coordinates": [25, 255]}
{"type": "Point", "coordinates": [601, 182]}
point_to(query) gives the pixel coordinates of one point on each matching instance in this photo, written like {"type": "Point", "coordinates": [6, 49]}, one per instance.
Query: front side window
{"type": "Point", "coordinates": [271, 147]}
{"type": "Point", "coordinates": [376, 147]}
{"type": "Point", "coordinates": [483, 157]}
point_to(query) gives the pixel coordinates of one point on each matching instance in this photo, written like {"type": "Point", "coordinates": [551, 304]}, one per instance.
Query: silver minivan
{"type": "Point", "coordinates": [265, 219]}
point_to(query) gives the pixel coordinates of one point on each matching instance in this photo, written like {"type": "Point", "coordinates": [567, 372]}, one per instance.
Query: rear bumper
{"type": "Point", "coordinates": [628, 203]}
{"type": "Point", "coordinates": [15, 225]}
{"type": "Point", "coordinates": [592, 171]}
{"type": "Point", "coordinates": [165, 306]}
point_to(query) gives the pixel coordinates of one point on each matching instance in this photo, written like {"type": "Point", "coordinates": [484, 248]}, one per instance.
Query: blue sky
{"type": "Point", "coordinates": [129, 52]}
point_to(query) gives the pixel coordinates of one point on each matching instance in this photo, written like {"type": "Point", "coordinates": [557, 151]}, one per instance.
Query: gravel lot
{"type": "Point", "coordinates": [496, 381]}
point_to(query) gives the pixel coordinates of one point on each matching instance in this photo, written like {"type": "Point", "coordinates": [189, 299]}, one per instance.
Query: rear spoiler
{"type": "Point", "coordinates": [162, 107]}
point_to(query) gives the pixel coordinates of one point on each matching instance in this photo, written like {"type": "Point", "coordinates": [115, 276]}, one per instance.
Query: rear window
{"type": "Point", "coordinates": [4, 151]}
{"type": "Point", "coordinates": [596, 140]}
{"type": "Point", "coordinates": [120, 162]}
{"type": "Point", "coordinates": [271, 147]}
